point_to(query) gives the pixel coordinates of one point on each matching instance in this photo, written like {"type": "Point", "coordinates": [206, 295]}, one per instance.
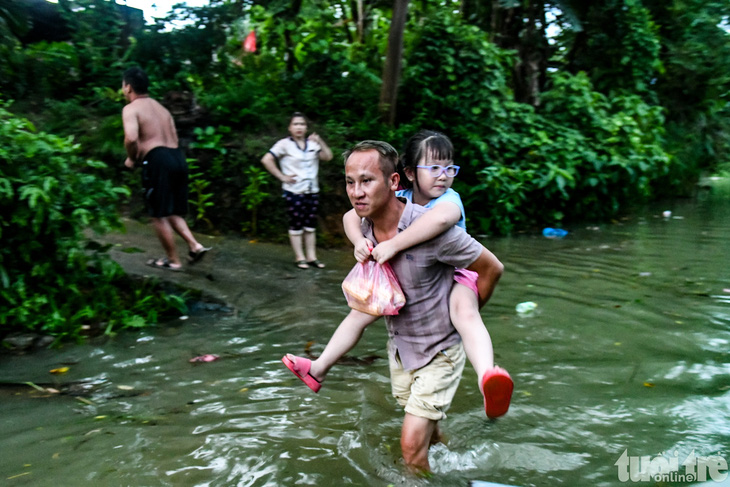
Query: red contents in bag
{"type": "Point", "coordinates": [374, 289]}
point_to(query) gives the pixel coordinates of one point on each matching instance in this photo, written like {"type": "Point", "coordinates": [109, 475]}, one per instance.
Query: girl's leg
{"type": "Point", "coordinates": [344, 339]}
{"type": "Point", "coordinates": [494, 382]}
{"type": "Point", "coordinates": [464, 309]}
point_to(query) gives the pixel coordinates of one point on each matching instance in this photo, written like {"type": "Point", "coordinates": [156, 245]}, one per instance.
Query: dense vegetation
{"type": "Point", "coordinates": [560, 111]}
{"type": "Point", "coordinates": [52, 278]}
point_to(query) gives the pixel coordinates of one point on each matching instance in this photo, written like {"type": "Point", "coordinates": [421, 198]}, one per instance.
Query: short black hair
{"type": "Point", "coordinates": [137, 79]}
{"type": "Point", "coordinates": [387, 155]}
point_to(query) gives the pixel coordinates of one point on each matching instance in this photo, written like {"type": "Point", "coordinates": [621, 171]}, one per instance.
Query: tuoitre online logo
{"type": "Point", "coordinates": [663, 468]}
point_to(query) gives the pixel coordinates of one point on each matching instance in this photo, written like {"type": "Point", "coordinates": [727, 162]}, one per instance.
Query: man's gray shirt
{"type": "Point", "coordinates": [425, 272]}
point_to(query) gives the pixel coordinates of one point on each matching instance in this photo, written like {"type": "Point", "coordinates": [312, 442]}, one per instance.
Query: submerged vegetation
{"type": "Point", "coordinates": [559, 112]}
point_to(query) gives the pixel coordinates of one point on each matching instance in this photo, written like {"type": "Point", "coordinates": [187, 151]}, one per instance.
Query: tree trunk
{"type": "Point", "coordinates": [292, 13]}
{"type": "Point", "coordinates": [521, 27]}
{"type": "Point", "coordinates": [393, 62]}
{"type": "Point", "coordinates": [532, 64]}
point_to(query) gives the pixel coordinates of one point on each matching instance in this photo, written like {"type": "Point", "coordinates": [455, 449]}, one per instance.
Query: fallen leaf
{"type": "Point", "coordinates": [60, 370]}
{"type": "Point", "coordinates": [648, 384]}
{"type": "Point", "coordinates": [125, 388]}
{"type": "Point", "coordinates": [56, 456]}
{"type": "Point", "coordinates": [36, 387]}
{"type": "Point", "coordinates": [19, 475]}
{"type": "Point", "coordinates": [244, 389]}
{"type": "Point", "coordinates": [52, 390]}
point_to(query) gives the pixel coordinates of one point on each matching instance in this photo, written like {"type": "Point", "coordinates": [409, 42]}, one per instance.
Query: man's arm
{"type": "Point", "coordinates": [432, 223]}
{"type": "Point", "coordinates": [490, 269]}
{"type": "Point", "coordinates": [131, 136]}
{"type": "Point", "coordinates": [363, 246]}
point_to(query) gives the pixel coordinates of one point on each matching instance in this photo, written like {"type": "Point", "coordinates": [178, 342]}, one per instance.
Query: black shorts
{"type": "Point", "coordinates": [165, 181]}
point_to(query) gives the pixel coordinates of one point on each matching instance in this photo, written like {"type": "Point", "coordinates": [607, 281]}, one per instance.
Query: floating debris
{"type": "Point", "coordinates": [525, 307]}
{"type": "Point", "coordinates": [209, 357]}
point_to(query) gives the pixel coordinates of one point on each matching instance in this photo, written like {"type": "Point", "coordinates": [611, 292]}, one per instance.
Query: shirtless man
{"type": "Point", "coordinates": [150, 139]}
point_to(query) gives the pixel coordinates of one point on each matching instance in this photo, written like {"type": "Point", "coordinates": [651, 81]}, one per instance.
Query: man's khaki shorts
{"type": "Point", "coordinates": [427, 392]}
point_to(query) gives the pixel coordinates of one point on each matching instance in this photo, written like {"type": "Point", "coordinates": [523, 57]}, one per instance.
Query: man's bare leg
{"type": "Point", "coordinates": [416, 436]}
{"type": "Point", "coordinates": [180, 226]}
{"type": "Point", "coordinates": [164, 232]}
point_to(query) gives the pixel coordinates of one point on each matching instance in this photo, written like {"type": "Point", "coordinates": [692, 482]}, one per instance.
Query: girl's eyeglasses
{"type": "Point", "coordinates": [436, 170]}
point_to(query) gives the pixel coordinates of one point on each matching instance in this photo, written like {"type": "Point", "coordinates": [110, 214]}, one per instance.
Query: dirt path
{"type": "Point", "coordinates": [239, 272]}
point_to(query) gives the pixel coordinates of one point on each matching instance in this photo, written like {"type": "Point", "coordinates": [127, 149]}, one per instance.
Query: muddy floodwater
{"type": "Point", "coordinates": [626, 355]}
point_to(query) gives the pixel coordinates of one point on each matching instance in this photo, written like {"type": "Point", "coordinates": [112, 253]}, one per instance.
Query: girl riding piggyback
{"type": "Point", "coordinates": [428, 172]}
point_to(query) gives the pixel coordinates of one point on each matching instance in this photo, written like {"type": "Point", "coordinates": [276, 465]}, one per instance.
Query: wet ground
{"type": "Point", "coordinates": [242, 273]}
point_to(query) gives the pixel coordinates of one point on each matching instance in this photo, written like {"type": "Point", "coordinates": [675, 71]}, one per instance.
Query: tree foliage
{"type": "Point", "coordinates": [560, 111]}
{"type": "Point", "coordinates": [52, 279]}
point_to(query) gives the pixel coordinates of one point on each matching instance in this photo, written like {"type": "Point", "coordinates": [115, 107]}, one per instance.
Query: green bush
{"type": "Point", "coordinates": [52, 279]}
{"type": "Point", "coordinates": [581, 156]}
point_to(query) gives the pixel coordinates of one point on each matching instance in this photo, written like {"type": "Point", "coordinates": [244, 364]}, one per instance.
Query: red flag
{"type": "Point", "coordinates": [249, 45]}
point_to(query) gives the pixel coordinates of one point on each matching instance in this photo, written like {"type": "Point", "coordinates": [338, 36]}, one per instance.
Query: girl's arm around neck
{"type": "Point", "coordinates": [351, 223]}
{"type": "Point", "coordinates": [429, 225]}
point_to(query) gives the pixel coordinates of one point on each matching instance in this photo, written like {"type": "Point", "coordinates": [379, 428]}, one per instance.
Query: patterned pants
{"type": "Point", "coordinates": [302, 210]}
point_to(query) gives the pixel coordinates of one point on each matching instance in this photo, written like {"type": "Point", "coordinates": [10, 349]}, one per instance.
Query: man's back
{"type": "Point", "coordinates": [156, 128]}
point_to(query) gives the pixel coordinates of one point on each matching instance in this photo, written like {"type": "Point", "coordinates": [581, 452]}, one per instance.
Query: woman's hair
{"type": "Point", "coordinates": [298, 114]}
{"type": "Point", "coordinates": [428, 144]}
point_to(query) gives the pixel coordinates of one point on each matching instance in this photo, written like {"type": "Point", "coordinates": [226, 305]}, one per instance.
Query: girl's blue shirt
{"type": "Point", "coordinates": [450, 195]}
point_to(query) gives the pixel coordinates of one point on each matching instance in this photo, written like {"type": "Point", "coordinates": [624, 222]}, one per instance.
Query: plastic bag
{"type": "Point", "coordinates": [373, 288]}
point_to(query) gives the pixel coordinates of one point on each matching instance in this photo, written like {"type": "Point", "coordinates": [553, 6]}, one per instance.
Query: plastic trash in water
{"type": "Point", "coordinates": [554, 232]}
{"type": "Point", "coordinates": [525, 307]}
{"type": "Point", "coordinates": [208, 357]}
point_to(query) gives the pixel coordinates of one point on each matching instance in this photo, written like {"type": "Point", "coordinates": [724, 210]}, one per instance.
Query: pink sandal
{"type": "Point", "coordinates": [496, 386]}
{"type": "Point", "coordinates": [300, 368]}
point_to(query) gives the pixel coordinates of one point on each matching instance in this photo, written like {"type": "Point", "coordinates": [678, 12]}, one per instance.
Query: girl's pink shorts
{"type": "Point", "coordinates": [467, 278]}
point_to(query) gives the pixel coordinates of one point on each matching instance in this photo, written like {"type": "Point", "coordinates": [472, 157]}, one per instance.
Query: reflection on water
{"type": "Point", "coordinates": [626, 350]}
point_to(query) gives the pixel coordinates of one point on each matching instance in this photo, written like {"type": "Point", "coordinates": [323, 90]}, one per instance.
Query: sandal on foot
{"type": "Point", "coordinates": [302, 264]}
{"type": "Point", "coordinates": [300, 368]}
{"type": "Point", "coordinates": [195, 257]}
{"type": "Point", "coordinates": [496, 386]}
{"type": "Point", "coordinates": [163, 263]}
{"type": "Point", "coordinates": [315, 263]}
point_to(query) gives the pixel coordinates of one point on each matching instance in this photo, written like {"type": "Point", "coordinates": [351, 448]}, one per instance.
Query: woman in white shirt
{"type": "Point", "coordinates": [294, 161]}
